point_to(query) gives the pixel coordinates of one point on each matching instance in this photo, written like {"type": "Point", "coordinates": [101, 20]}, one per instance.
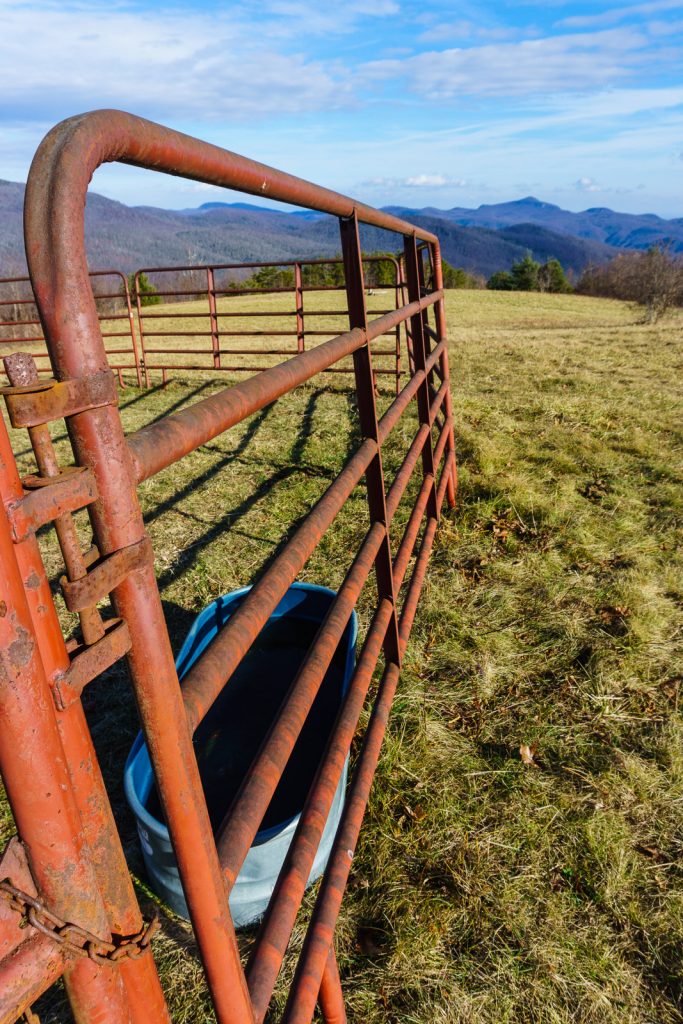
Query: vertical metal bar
{"type": "Point", "coordinates": [419, 357]}
{"type": "Point", "coordinates": [147, 1004]}
{"type": "Point", "coordinates": [402, 290]}
{"type": "Point", "coordinates": [440, 319]}
{"type": "Point", "coordinates": [397, 330]}
{"type": "Point", "coordinates": [131, 324]}
{"type": "Point", "coordinates": [331, 997]}
{"type": "Point", "coordinates": [299, 299]}
{"type": "Point", "coordinates": [367, 413]}
{"type": "Point", "coordinates": [40, 795]}
{"type": "Point", "coordinates": [213, 318]}
{"type": "Point", "coordinates": [141, 327]}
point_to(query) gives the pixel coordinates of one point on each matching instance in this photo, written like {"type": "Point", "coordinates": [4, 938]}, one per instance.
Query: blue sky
{"type": "Point", "coordinates": [430, 103]}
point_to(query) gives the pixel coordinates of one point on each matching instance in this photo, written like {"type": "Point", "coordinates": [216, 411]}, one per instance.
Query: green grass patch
{"type": "Point", "coordinates": [490, 885]}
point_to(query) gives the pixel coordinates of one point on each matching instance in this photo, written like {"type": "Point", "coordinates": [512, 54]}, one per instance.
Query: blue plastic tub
{"type": "Point", "coordinates": [229, 736]}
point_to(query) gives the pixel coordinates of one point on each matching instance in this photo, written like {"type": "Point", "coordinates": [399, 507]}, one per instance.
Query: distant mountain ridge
{"type": "Point", "coordinates": [480, 241]}
{"type": "Point", "coordinates": [598, 224]}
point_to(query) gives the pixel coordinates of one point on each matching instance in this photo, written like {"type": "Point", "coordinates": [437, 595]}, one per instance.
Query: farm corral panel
{"type": "Point", "coordinates": [64, 874]}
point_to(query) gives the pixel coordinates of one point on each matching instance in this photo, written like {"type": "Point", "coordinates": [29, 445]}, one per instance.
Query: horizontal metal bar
{"type": "Point", "coordinates": [177, 316]}
{"type": "Point", "coordinates": [21, 341]}
{"type": "Point", "coordinates": [244, 818]}
{"type": "Point", "coordinates": [209, 674]}
{"type": "Point", "coordinates": [161, 444]}
{"type": "Point", "coordinates": [303, 992]}
{"type": "Point", "coordinates": [304, 988]}
{"type": "Point", "coordinates": [183, 351]}
{"type": "Point", "coordinates": [438, 401]}
{"type": "Point", "coordinates": [405, 548]}
{"type": "Point", "coordinates": [402, 478]}
{"type": "Point", "coordinates": [274, 934]}
{"type": "Point", "coordinates": [442, 440]}
{"type": "Point", "coordinates": [224, 351]}
{"type": "Point", "coordinates": [310, 262]}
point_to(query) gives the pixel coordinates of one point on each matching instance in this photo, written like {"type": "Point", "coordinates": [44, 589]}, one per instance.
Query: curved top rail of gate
{"type": "Point", "coordinates": [55, 200]}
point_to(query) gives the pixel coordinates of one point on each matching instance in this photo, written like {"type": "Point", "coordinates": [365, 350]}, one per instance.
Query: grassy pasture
{"type": "Point", "coordinates": [522, 856]}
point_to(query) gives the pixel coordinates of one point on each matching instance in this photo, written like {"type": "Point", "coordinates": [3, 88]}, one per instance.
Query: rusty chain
{"type": "Point", "coordinates": [74, 939]}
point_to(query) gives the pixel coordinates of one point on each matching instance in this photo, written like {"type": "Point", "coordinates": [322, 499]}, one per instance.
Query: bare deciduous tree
{"type": "Point", "coordinates": [652, 279]}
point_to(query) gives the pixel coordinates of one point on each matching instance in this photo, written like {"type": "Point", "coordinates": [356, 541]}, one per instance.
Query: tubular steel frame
{"type": "Point", "coordinates": [130, 350]}
{"type": "Point", "coordinates": [66, 869]}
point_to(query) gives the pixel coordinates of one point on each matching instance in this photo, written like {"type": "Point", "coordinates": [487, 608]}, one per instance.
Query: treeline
{"type": "Point", "coordinates": [379, 271]}
{"type": "Point", "coordinates": [527, 275]}
{"type": "Point", "coordinates": [652, 279]}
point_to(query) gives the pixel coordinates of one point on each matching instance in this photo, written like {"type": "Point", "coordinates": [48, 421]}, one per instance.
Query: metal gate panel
{"type": "Point", "coordinates": [42, 679]}
{"type": "Point", "coordinates": [118, 327]}
{"type": "Point", "coordinates": [214, 334]}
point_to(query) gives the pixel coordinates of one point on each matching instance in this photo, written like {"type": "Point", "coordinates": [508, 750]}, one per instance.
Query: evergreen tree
{"type": "Point", "coordinates": [456, 277]}
{"type": "Point", "coordinates": [551, 278]}
{"type": "Point", "coordinates": [145, 289]}
{"type": "Point", "coordinates": [525, 274]}
{"type": "Point", "coordinates": [501, 281]}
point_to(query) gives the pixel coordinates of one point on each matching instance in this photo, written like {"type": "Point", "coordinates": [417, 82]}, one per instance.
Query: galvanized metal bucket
{"type": "Point", "coordinates": [256, 880]}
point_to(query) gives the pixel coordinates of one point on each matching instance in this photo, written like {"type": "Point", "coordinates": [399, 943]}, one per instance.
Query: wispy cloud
{"type": "Point", "coordinates": [567, 62]}
{"type": "Point", "coordinates": [172, 63]}
{"type": "Point", "coordinates": [430, 181]}
{"type": "Point", "coordinates": [617, 14]}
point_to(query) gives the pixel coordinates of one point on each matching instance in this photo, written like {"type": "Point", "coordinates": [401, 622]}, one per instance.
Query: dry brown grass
{"type": "Point", "coordinates": [484, 889]}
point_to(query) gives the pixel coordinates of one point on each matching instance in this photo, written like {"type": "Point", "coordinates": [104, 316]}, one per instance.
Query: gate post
{"type": "Point", "coordinates": [34, 769]}
{"type": "Point", "coordinates": [147, 1002]}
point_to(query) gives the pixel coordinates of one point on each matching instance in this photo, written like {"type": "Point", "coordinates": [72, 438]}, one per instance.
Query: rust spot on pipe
{"type": "Point", "coordinates": [20, 651]}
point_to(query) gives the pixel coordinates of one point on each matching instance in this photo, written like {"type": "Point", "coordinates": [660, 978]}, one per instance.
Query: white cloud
{"type": "Point", "coordinates": [587, 185]}
{"type": "Point", "coordinates": [463, 29]}
{"type": "Point", "coordinates": [293, 17]}
{"type": "Point", "coordinates": [416, 181]}
{"type": "Point", "coordinates": [170, 64]}
{"type": "Point", "coordinates": [429, 180]}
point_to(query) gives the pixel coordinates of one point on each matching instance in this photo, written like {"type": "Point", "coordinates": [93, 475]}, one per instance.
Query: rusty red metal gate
{"type": "Point", "coordinates": [20, 324]}
{"type": "Point", "coordinates": [211, 334]}
{"type": "Point", "coordinates": [64, 875]}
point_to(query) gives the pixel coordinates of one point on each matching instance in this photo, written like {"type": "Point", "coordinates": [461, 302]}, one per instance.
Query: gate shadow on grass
{"type": "Point", "coordinates": [229, 519]}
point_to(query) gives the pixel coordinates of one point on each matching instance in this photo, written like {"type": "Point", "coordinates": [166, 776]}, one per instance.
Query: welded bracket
{"type": "Point", "coordinates": [32, 404]}
{"type": "Point", "coordinates": [87, 662]}
{"type": "Point", "coordinates": [50, 497]}
{"type": "Point", "coordinates": [105, 576]}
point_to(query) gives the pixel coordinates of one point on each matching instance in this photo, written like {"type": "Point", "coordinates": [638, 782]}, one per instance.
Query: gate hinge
{"type": "Point", "coordinates": [88, 662]}
{"type": "Point", "coordinates": [105, 575]}
{"type": "Point", "coordinates": [32, 404]}
{"type": "Point", "coordinates": [50, 497]}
